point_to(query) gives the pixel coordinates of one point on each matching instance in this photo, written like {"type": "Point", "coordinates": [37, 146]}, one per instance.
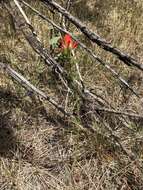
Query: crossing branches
{"type": "Point", "coordinates": [95, 38]}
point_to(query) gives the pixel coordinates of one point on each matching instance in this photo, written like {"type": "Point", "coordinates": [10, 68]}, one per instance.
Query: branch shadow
{"type": "Point", "coordinates": [9, 142]}
{"type": "Point", "coordinates": [7, 133]}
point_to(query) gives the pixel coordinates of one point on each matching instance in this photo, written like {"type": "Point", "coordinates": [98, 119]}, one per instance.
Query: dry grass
{"type": "Point", "coordinates": [39, 149]}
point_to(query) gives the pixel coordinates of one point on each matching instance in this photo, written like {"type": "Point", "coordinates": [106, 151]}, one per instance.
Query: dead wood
{"type": "Point", "coordinates": [30, 87]}
{"type": "Point", "coordinates": [75, 86]}
{"type": "Point", "coordinates": [83, 46]}
{"type": "Point", "coordinates": [124, 57]}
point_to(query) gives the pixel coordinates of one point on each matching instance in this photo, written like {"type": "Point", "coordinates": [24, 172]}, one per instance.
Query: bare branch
{"type": "Point", "coordinates": [34, 41]}
{"type": "Point", "coordinates": [22, 12]}
{"type": "Point", "coordinates": [127, 59]}
{"type": "Point", "coordinates": [27, 85]}
{"type": "Point", "coordinates": [63, 19]}
{"type": "Point", "coordinates": [89, 51]}
{"type": "Point", "coordinates": [116, 112]}
{"type": "Point", "coordinates": [39, 48]}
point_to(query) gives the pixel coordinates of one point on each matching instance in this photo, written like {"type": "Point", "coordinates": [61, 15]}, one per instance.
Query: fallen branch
{"type": "Point", "coordinates": [89, 51]}
{"type": "Point", "coordinates": [39, 48]}
{"type": "Point", "coordinates": [116, 112]}
{"type": "Point", "coordinates": [30, 87]}
{"type": "Point", "coordinates": [22, 12]}
{"type": "Point", "coordinates": [127, 59]}
{"type": "Point", "coordinates": [27, 85]}
{"type": "Point", "coordinates": [30, 35]}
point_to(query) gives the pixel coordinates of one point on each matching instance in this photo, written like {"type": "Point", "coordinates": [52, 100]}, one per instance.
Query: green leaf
{"type": "Point", "coordinates": [54, 40]}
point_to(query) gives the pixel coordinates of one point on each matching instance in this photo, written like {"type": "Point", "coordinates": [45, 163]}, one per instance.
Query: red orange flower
{"type": "Point", "coordinates": [68, 43]}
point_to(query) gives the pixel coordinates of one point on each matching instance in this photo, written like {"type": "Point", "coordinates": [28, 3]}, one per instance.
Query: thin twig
{"type": "Point", "coordinates": [66, 100]}
{"type": "Point", "coordinates": [63, 19]}
{"type": "Point", "coordinates": [116, 112]}
{"type": "Point", "coordinates": [78, 71]}
{"type": "Point", "coordinates": [22, 12]}
{"type": "Point", "coordinates": [116, 138]}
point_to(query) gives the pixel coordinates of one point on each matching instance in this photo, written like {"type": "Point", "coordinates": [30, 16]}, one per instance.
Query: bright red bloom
{"type": "Point", "coordinates": [68, 43]}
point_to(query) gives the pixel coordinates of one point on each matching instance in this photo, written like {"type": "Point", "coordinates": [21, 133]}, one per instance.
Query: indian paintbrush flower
{"type": "Point", "coordinates": [67, 46]}
{"type": "Point", "coordinates": [67, 43]}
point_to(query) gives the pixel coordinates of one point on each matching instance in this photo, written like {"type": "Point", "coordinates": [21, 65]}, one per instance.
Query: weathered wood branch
{"type": "Point", "coordinates": [116, 112]}
{"type": "Point", "coordinates": [31, 37]}
{"type": "Point", "coordinates": [127, 59]}
{"type": "Point", "coordinates": [30, 87]}
{"type": "Point", "coordinates": [39, 48]}
{"type": "Point", "coordinates": [88, 50]}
